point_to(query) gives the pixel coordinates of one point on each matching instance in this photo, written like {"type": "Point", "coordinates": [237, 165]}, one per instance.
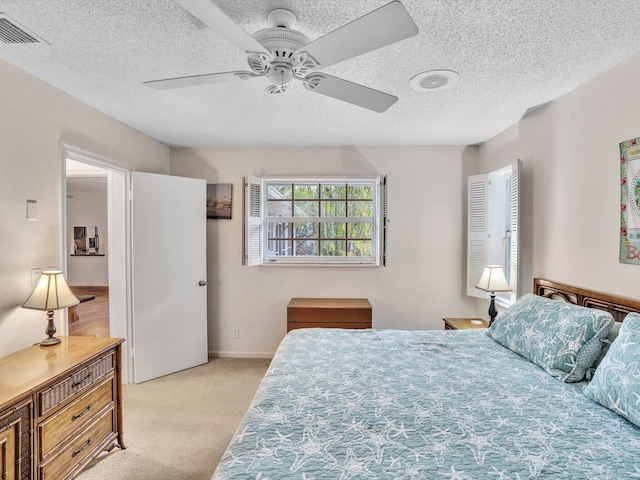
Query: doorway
{"type": "Point", "coordinates": [94, 246]}
{"type": "Point", "coordinates": [87, 252]}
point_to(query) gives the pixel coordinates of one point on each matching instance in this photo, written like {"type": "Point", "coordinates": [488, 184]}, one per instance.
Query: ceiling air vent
{"type": "Point", "coordinates": [12, 32]}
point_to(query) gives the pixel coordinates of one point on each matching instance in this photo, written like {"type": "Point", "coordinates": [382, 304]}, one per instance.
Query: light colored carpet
{"type": "Point", "coordinates": [177, 427]}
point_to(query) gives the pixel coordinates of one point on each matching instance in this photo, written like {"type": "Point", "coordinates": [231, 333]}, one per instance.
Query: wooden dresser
{"type": "Point", "coordinates": [60, 406]}
{"type": "Point", "coordinates": [328, 313]}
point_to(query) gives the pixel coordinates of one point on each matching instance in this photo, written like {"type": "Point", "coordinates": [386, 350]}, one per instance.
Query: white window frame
{"type": "Point", "coordinates": [256, 220]}
{"type": "Point", "coordinates": [492, 228]}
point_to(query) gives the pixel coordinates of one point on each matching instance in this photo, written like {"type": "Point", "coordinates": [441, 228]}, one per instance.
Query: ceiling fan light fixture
{"type": "Point", "coordinates": [434, 80]}
{"type": "Point", "coordinates": [282, 54]}
{"type": "Point", "coordinates": [280, 75]}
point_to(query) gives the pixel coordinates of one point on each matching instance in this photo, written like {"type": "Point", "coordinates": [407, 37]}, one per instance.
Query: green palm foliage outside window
{"type": "Point", "coordinates": [320, 219]}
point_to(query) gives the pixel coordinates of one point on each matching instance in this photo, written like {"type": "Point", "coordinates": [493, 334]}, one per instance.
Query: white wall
{"type": "Point", "coordinates": [34, 119]}
{"type": "Point", "coordinates": [87, 209]}
{"type": "Point", "coordinates": [570, 185]}
{"type": "Point", "coordinates": [422, 283]}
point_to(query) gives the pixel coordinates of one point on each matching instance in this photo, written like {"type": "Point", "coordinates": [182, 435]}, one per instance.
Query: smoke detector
{"type": "Point", "coordinates": [434, 80]}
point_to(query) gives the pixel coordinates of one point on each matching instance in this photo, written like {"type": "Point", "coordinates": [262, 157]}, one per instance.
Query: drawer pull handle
{"type": "Point", "coordinates": [75, 417]}
{"type": "Point", "coordinates": [79, 382]}
{"type": "Point", "coordinates": [76, 452]}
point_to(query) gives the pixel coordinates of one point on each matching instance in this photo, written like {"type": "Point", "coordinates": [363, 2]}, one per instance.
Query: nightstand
{"type": "Point", "coordinates": [464, 323]}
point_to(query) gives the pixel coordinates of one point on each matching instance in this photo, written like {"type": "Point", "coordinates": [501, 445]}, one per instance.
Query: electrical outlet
{"type": "Point", "coordinates": [36, 273]}
{"type": "Point", "coordinates": [235, 334]}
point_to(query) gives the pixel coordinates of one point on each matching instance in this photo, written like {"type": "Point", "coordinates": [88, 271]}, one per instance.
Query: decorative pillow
{"type": "Point", "coordinates": [606, 343]}
{"type": "Point", "coordinates": [616, 383]}
{"type": "Point", "coordinates": [562, 338]}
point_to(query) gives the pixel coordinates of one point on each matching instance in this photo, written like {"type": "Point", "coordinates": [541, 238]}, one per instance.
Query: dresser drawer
{"type": "Point", "coordinates": [71, 456]}
{"type": "Point", "coordinates": [335, 315]}
{"type": "Point", "coordinates": [74, 416]}
{"type": "Point", "coordinates": [59, 392]}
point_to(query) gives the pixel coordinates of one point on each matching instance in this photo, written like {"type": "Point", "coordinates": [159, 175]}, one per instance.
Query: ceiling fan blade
{"type": "Point", "coordinates": [384, 26]}
{"type": "Point", "coordinates": [210, 14]}
{"type": "Point", "coordinates": [349, 92]}
{"type": "Point", "coordinates": [193, 80]}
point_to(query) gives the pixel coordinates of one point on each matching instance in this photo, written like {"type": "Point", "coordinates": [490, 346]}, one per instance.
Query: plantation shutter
{"type": "Point", "coordinates": [515, 232]}
{"type": "Point", "coordinates": [253, 221]}
{"type": "Point", "coordinates": [381, 220]}
{"type": "Point", "coordinates": [477, 231]}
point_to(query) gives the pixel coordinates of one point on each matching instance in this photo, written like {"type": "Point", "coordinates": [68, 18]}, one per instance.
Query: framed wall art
{"type": "Point", "coordinates": [219, 200]}
{"type": "Point", "coordinates": [630, 201]}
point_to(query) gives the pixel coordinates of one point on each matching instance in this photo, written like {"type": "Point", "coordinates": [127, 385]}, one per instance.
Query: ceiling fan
{"type": "Point", "coordinates": [282, 54]}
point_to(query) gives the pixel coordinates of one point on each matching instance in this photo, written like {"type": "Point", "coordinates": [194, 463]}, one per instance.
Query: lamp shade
{"type": "Point", "coordinates": [493, 280]}
{"type": "Point", "coordinates": [51, 293]}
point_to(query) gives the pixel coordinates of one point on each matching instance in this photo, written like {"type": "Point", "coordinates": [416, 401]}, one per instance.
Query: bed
{"type": "Point", "coordinates": [391, 404]}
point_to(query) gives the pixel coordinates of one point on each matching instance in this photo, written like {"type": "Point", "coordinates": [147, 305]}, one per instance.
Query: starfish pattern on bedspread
{"type": "Point", "coordinates": [385, 404]}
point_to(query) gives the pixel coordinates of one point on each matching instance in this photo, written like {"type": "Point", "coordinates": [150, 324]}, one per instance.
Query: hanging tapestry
{"type": "Point", "coordinates": [630, 201]}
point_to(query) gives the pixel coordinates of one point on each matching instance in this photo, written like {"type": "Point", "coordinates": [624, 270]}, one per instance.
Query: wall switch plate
{"type": "Point", "coordinates": [36, 273]}
{"type": "Point", "coordinates": [32, 210]}
{"type": "Point", "coordinates": [235, 334]}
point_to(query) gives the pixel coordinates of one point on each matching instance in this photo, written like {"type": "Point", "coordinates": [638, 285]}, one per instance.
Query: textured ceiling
{"type": "Point", "coordinates": [511, 55]}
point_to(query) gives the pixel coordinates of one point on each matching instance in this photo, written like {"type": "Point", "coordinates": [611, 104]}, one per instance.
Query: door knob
{"type": "Point", "coordinates": [202, 283]}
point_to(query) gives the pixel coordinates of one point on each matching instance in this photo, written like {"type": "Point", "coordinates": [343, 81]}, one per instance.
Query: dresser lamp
{"type": "Point", "coordinates": [51, 293]}
{"type": "Point", "coordinates": [492, 281]}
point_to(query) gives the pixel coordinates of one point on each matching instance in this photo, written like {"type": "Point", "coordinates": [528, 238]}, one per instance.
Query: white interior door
{"type": "Point", "coordinates": [168, 224]}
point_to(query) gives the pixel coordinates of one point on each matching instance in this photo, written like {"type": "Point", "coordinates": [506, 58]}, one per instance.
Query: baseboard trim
{"type": "Point", "coordinates": [228, 354]}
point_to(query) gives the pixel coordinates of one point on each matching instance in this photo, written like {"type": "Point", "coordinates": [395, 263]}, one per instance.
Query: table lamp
{"type": "Point", "coordinates": [51, 293]}
{"type": "Point", "coordinates": [493, 280]}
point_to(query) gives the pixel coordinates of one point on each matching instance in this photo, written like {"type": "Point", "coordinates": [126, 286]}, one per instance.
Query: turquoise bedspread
{"type": "Point", "coordinates": [389, 404]}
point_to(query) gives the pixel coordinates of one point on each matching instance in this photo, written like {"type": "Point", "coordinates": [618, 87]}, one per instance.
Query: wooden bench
{"type": "Point", "coordinates": [73, 311]}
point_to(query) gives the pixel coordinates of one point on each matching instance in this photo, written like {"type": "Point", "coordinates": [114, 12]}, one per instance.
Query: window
{"type": "Point", "coordinates": [492, 228]}
{"type": "Point", "coordinates": [314, 221]}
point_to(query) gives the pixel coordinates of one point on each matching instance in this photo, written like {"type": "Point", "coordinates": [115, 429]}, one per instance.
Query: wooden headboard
{"type": "Point", "coordinates": [614, 304]}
